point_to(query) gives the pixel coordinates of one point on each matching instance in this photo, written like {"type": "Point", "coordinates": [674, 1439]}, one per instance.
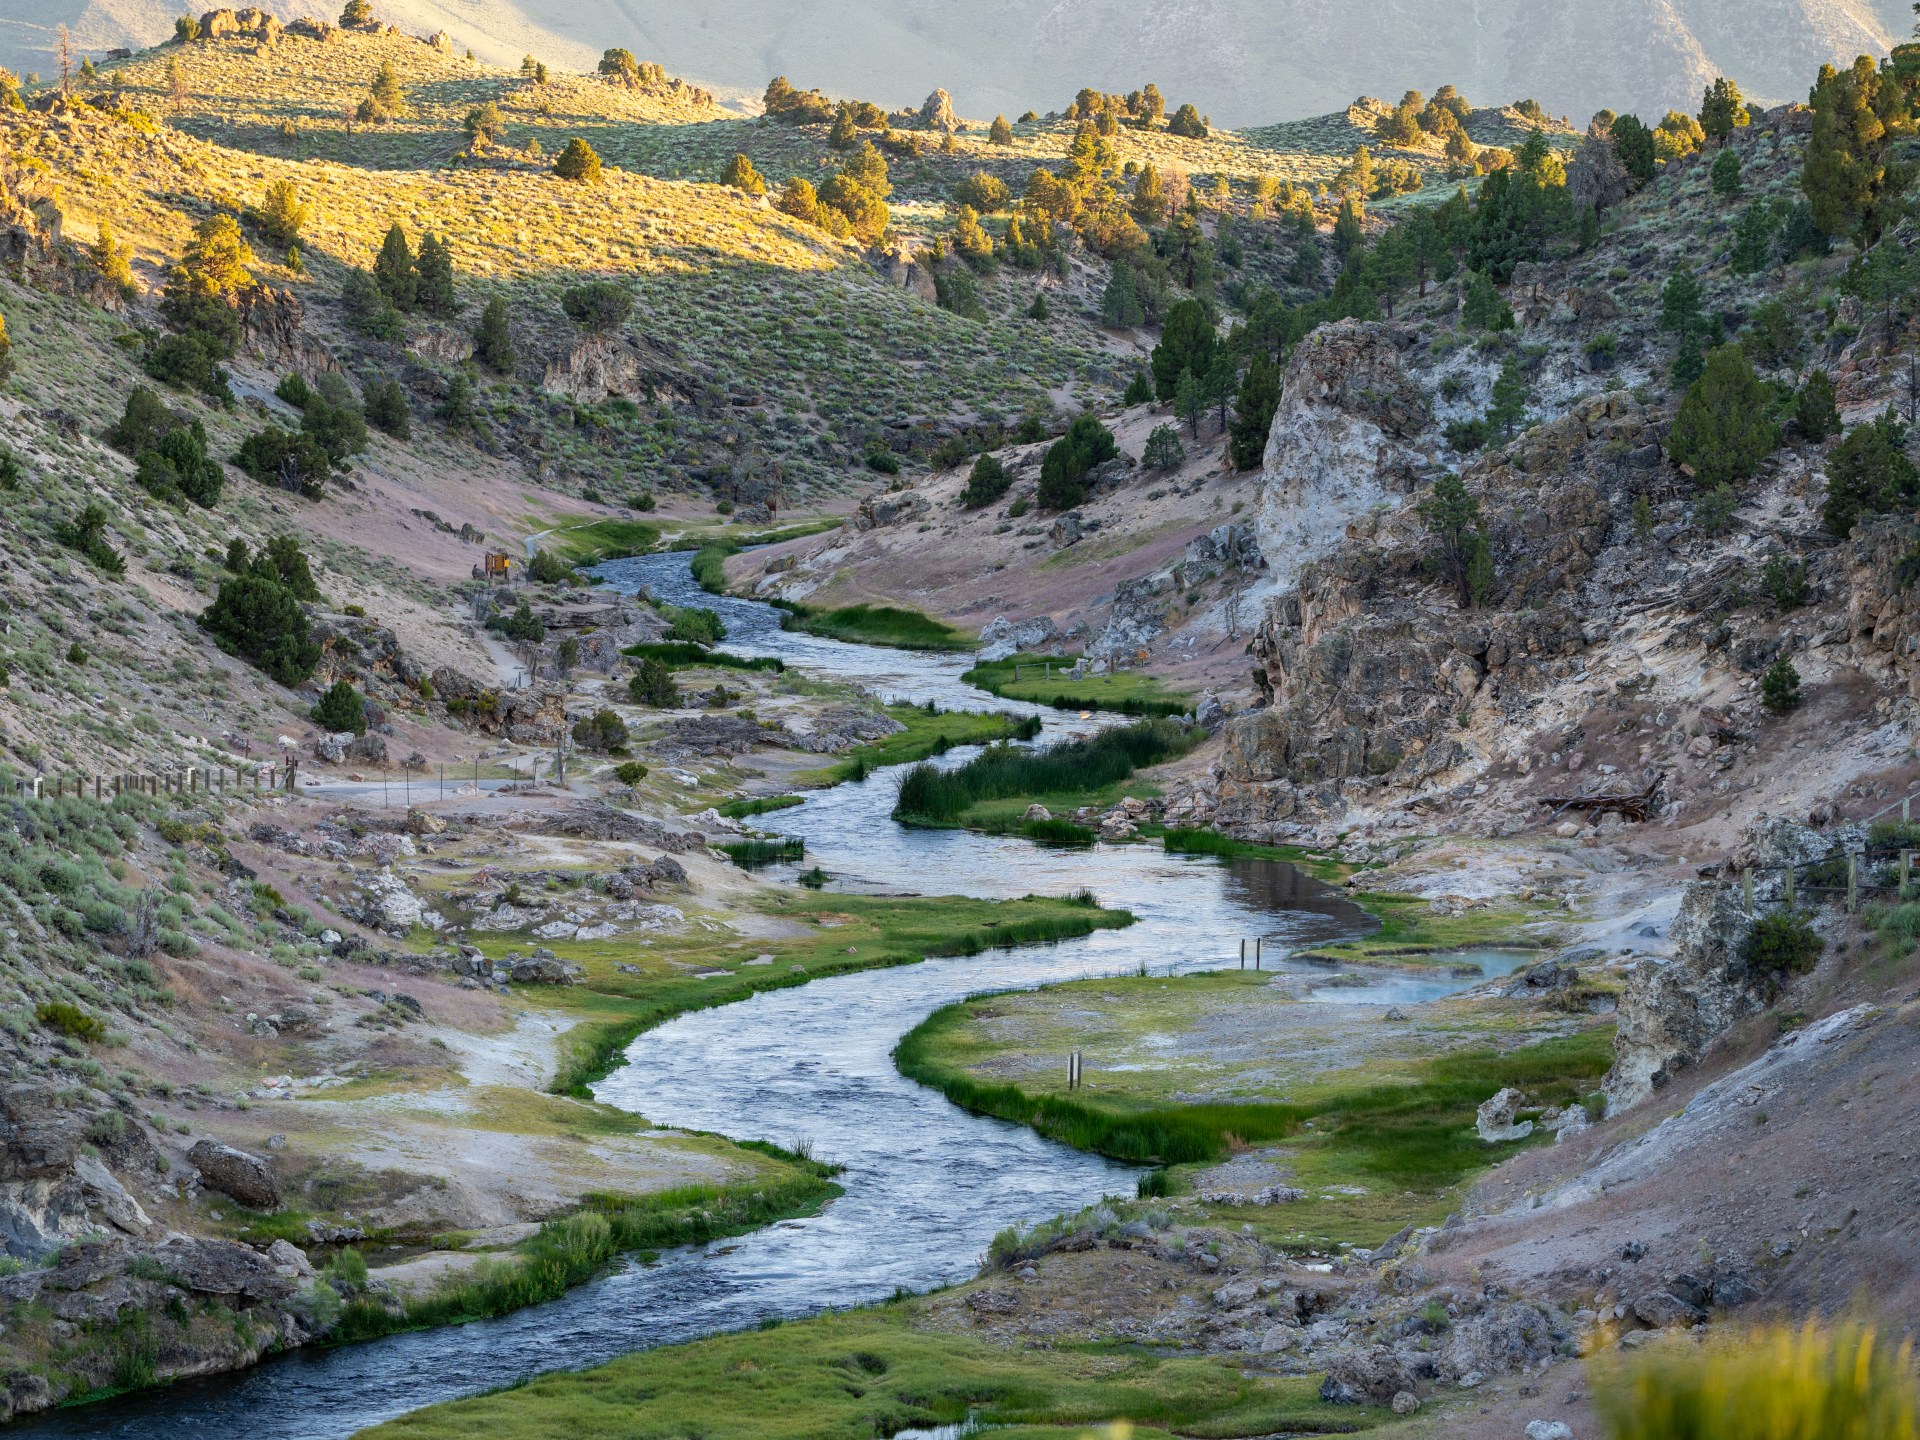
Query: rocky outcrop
{"type": "Point", "coordinates": [603, 367]}
{"type": "Point", "coordinates": [936, 113]}
{"type": "Point", "coordinates": [1343, 439]}
{"type": "Point", "coordinates": [58, 1157]}
{"type": "Point", "coordinates": [247, 24]}
{"type": "Point", "coordinates": [895, 507]}
{"type": "Point", "coordinates": [1369, 672]}
{"type": "Point", "coordinates": [1001, 637]}
{"type": "Point", "coordinates": [1673, 1011]}
{"type": "Point", "coordinates": [1883, 605]}
{"type": "Point", "coordinates": [900, 269]}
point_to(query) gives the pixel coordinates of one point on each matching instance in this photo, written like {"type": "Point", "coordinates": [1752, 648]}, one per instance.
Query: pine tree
{"type": "Point", "coordinates": [1190, 400]}
{"type": "Point", "coordinates": [1452, 517]}
{"type": "Point", "coordinates": [492, 341]}
{"type": "Point", "coordinates": [1689, 361]}
{"type": "Point", "coordinates": [114, 260]}
{"type": "Point", "coordinates": [1869, 474]}
{"type": "Point", "coordinates": [1483, 308]}
{"type": "Point", "coordinates": [578, 162]}
{"type": "Point", "coordinates": [1186, 122]}
{"type": "Point", "coordinates": [1349, 228]}
{"type": "Point", "coordinates": [1680, 303]}
{"type": "Point", "coordinates": [1844, 171]}
{"type": "Point", "coordinates": [1780, 687]}
{"type": "Point", "coordinates": [282, 213]}
{"type": "Point", "coordinates": [1724, 427]}
{"type": "Point", "coordinates": [1510, 396]}
{"type": "Point", "coordinates": [1149, 203]}
{"type": "Point", "coordinates": [433, 277]}
{"type": "Point", "coordinates": [1816, 409]}
{"type": "Point", "coordinates": [1633, 142]}
{"type": "Point", "coordinates": [1722, 111]}
{"type": "Point", "coordinates": [1253, 410]}
{"type": "Point", "coordinates": [844, 132]}
{"type": "Point", "coordinates": [341, 710]}
{"type": "Point", "coordinates": [1163, 449]}
{"type": "Point", "coordinates": [1000, 133]}
{"type": "Point", "coordinates": [393, 270]}
{"type": "Point", "coordinates": [1187, 343]}
{"type": "Point", "coordinates": [1752, 237]}
{"type": "Point", "coordinates": [1724, 175]}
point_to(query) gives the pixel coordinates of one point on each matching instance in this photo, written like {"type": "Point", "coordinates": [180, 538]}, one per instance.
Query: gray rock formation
{"type": "Point", "coordinates": [235, 1173]}
{"type": "Point", "coordinates": [1672, 1012]}
{"type": "Point", "coordinates": [1342, 440]}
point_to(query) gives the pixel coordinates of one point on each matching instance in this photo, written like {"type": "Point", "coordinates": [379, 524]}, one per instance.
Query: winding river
{"type": "Point", "coordinates": [927, 1185]}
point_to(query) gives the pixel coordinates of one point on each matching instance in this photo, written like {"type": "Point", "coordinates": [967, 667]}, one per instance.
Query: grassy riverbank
{"type": "Point", "coordinates": [873, 1372]}
{"type": "Point", "coordinates": [888, 625]}
{"type": "Point", "coordinates": [993, 791]}
{"type": "Point", "coordinates": [574, 1248]}
{"type": "Point", "coordinates": [1373, 1119]}
{"type": "Point", "coordinates": [1131, 692]}
{"type": "Point", "coordinates": [630, 990]}
{"type": "Point", "coordinates": [1410, 933]}
{"type": "Point", "coordinates": [928, 732]}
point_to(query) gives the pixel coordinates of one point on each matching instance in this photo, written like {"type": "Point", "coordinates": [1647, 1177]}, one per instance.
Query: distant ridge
{"type": "Point", "coordinates": [1244, 62]}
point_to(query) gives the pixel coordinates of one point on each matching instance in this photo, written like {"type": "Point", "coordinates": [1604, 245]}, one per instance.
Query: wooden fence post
{"type": "Point", "coordinates": [1789, 884]}
{"type": "Point", "coordinates": [1853, 883]}
{"type": "Point", "coordinates": [1746, 890]}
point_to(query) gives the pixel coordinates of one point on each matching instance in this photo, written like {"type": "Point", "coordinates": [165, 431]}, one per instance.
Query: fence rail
{"type": "Point", "coordinates": [190, 780]}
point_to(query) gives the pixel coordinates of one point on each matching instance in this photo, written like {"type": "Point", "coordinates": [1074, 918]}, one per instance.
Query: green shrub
{"type": "Point", "coordinates": [1780, 687]}
{"type": "Point", "coordinates": [988, 481]}
{"type": "Point", "coordinates": [653, 686]}
{"type": "Point", "coordinates": [1782, 942]}
{"type": "Point", "coordinates": [696, 625]}
{"type": "Point", "coordinates": [69, 1020]}
{"type": "Point", "coordinates": [341, 710]}
{"type": "Point", "coordinates": [603, 732]}
{"type": "Point", "coordinates": [630, 772]}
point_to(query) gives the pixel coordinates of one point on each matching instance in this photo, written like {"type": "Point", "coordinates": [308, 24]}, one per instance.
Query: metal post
{"type": "Point", "coordinates": [1256, 952]}
{"type": "Point", "coordinates": [1243, 954]}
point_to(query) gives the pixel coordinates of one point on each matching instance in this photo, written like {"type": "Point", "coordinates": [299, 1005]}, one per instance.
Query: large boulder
{"type": "Point", "coordinates": [236, 1174]}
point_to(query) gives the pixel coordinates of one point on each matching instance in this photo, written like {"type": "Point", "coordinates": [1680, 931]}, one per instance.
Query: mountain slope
{"type": "Point", "coordinates": [1243, 61]}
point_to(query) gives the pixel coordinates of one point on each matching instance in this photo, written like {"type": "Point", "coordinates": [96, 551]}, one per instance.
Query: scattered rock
{"type": "Point", "coordinates": [235, 1173]}
{"type": "Point", "coordinates": [1495, 1120]}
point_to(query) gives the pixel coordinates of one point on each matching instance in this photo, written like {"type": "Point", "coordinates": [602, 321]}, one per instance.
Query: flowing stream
{"type": "Point", "coordinates": [927, 1185]}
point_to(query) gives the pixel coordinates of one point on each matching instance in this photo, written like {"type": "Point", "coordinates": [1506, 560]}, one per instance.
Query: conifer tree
{"type": "Point", "coordinates": [393, 270]}
{"type": "Point", "coordinates": [578, 162]}
{"type": "Point", "coordinates": [492, 341]}
{"type": "Point", "coordinates": [433, 277]}
{"type": "Point", "coordinates": [1724, 427]}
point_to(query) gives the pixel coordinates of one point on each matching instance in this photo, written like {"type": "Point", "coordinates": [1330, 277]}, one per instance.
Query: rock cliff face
{"type": "Point", "coordinates": [1672, 1012]}
{"type": "Point", "coordinates": [1341, 441]}
{"type": "Point", "coordinates": [1368, 671]}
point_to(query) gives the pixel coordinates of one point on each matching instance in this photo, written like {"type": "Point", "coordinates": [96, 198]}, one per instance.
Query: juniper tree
{"type": "Point", "coordinates": [578, 162]}
{"type": "Point", "coordinates": [433, 277]}
{"type": "Point", "coordinates": [492, 340]}
{"type": "Point", "coordinates": [393, 270]}
{"type": "Point", "coordinates": [1724, 427]}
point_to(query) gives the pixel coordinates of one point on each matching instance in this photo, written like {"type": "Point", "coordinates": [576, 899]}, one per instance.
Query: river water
{"type": "Point", "coordinates": [927, 1185]}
